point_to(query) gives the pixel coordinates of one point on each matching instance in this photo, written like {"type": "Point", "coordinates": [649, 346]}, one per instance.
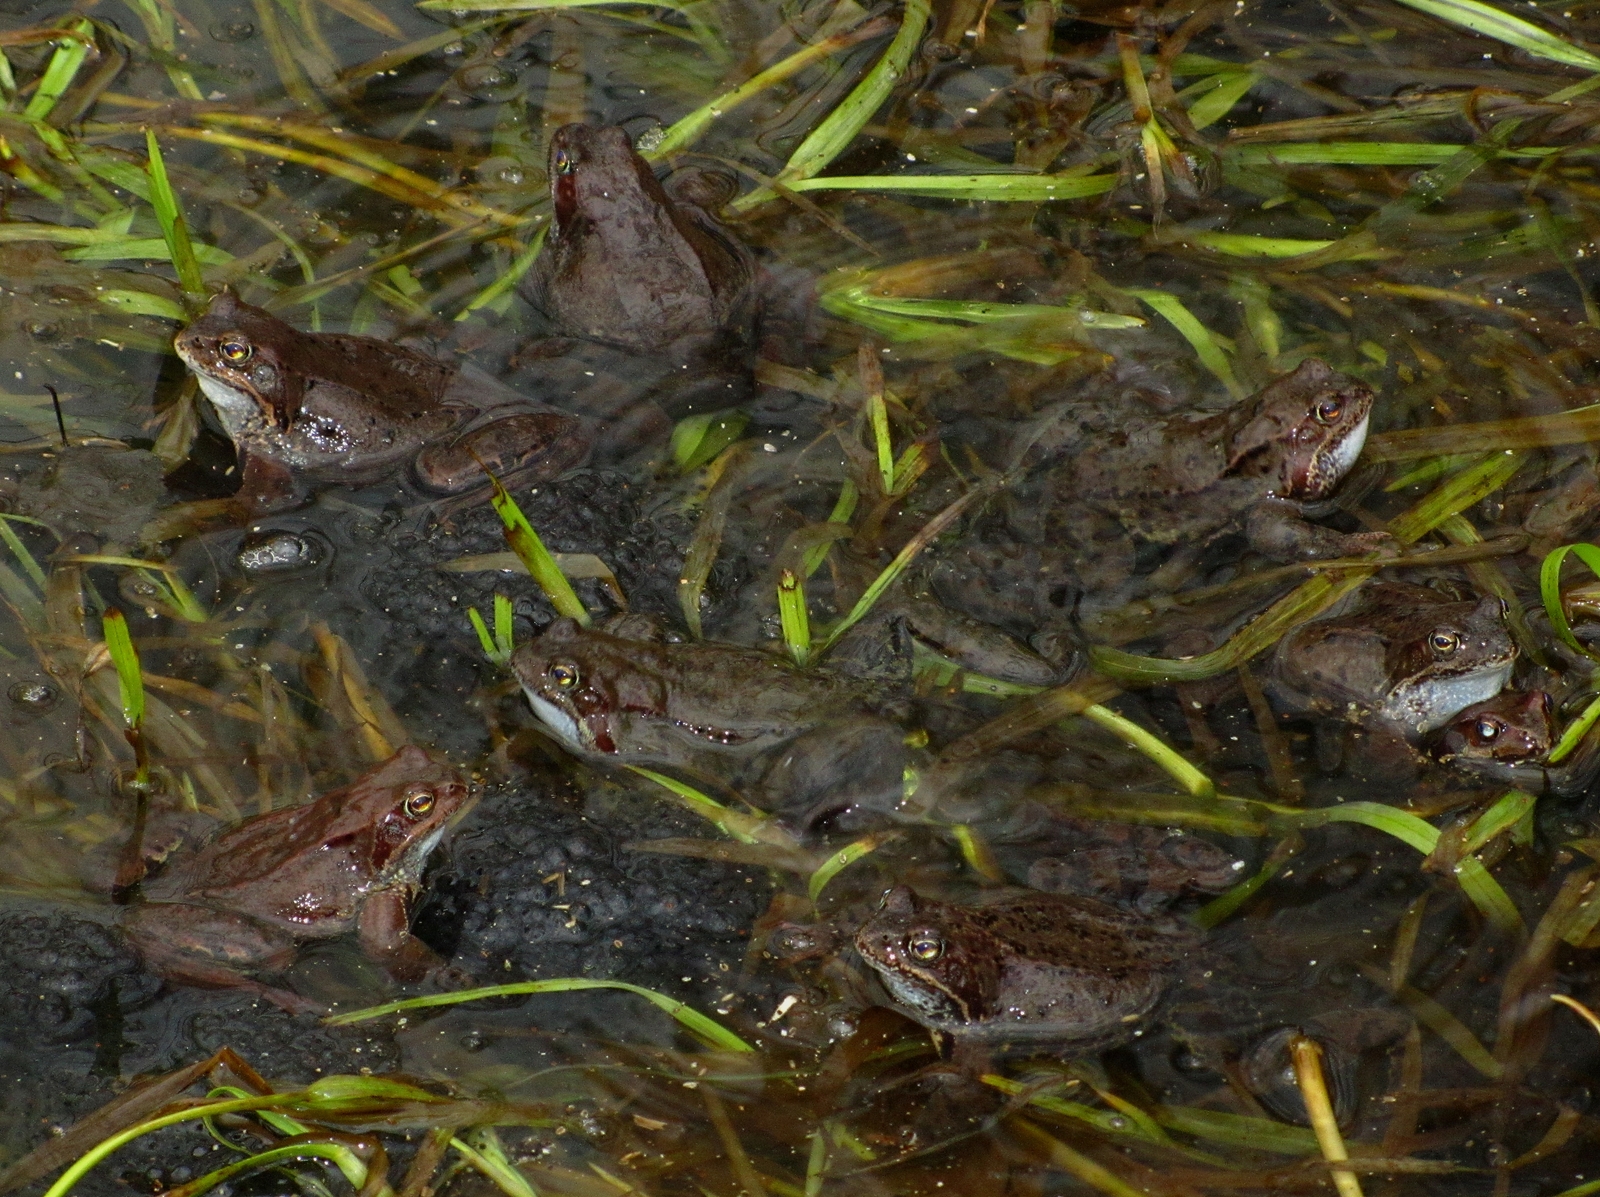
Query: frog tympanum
{"type": "Point", "coordinates": [1029, 969]}
{"type": "Point", "coordinates": [351, 860]}
{"type": "Point", "coordinates": [628, 264]}
{"type": "Point", "coordinates": [328, 407]}
{"type": "Point", "coordinates": [1407, 659]}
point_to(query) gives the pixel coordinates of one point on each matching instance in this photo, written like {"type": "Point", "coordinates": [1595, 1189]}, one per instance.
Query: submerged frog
{"type": "Point", "coordinates": [621, 692]}
{"type": "Point", "coordinates": [1033, 969]}
{"type": "Point", "coordinates": [1407, 659]}
{"type": "Point", "coordinates": [329, 407]}
{"type": "Point", "coordinates": [350, 861]}
{"type": "Point", "coordinates": [1111, 481]}
{"type": "Point", "coordinates": [629, 264]}
{"type": "Point", "coordinates": [1508, 740]}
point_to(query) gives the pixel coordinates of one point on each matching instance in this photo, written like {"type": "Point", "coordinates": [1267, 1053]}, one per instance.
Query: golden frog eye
{"type": "Point", "coordinates": [565, 676]}
{"type": "Point", "coordinates": [1444, 642]}
{"type": "Point", "coordinates": [564, 162]}
{"type": "Point", "coordinates": [1487, 729]}
{"type": "Point", "coordinates": [925, 946]}
{"type": "Point", "coordinates": [236, 351]}
{"type": "Point", "coordinates": [1329, 410]}
{"type": "Point", "coordinates": [417, 803]}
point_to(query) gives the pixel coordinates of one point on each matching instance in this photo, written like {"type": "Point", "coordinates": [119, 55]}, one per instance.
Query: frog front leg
{"type": "Point", "coordinates": [1279, 530]}
{"type": "Point", "coordinates": [384, 929]}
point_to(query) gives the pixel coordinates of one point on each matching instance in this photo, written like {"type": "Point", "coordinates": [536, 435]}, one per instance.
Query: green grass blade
{"type": "Point", "coordinates": [1016, 188]}
{"type": "Point", "coordinates": [1550, 588]}
{"type": "Point", "coordinates": [60, 71]}
{"type": "Point", "coordinates": [504, 635]}
{"type": "Point", "coordinates": [485, 641]}
{"type": "Point", "coordinates": [733, 823]}
{"type": "Point", "coordinates": [793, 617]}
{"type": "Point", "coordinates": [843, 508]}
{"type": "Point", "coordinates": [687, 130]}
{"type": "Point", "coordinates": [896, 567]}
{"type": "Point", "coordinates": [706, 1028]}
{"type": "Point", "coordinates": [501, 287]}
{"type": "Point", "coordinates": [530, 550]}
{"type": "Point", "coordinates": [1227, 91]}
{"type": "Point", "coordinates": [20, 550]}
{"type": "Point", "coordinates": [840, 127]}
{"type": "Point", "coordinates": [497, 1168]}
{"type": "Point", "coordinates": [169, 213]}
{"type": "Point", "coordinates": [1247, 245]}
{"type": "Point", "coordinates": [130, 680]}
{"type": "Point", "coordinates": [1211, 354]}
{"type": "Point", "coordinates": [1575, 733]}
{"type": "Point", "coordinates": [838, 861]}
{"type": "Point", "coordinates": [1362, 153]}
{"type": "Point", "coordinates": [1513, 31]}
{"type": "Point", "coordinates": [1151, 745]}
{"type": "Point", "coordinates": [696, 440]}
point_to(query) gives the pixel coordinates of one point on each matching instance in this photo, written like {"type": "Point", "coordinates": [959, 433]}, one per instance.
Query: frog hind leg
{"type": "Point", "coordinates": [516, 447]}
{"type": "Point", "coordinates": [208, 949]}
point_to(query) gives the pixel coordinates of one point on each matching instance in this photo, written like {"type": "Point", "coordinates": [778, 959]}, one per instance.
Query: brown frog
{"type": "Point", "coordinates": [622, 692]}
{"type": "Point", "coordinates": [1145, 867]}
{"type": "Point", "coordinates": [329, 407]}
{"type": "Point", "coordinates": [1025, 970]}
{"type": "Point", "coordinates": [351, 860]}
{"type": "Point", "coordinates": [628, 264]}
{"type": "Point", "coordinates": [1112, 479]}
{"type": "Point", "coordinates": [1508, 740]}
{"type": "Point", "coordinates": [1406, 660]}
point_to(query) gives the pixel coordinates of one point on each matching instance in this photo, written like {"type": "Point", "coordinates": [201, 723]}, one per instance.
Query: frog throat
{"type": "Point", "coordinates": [1426, 705]}
{"type": "Point", "coordinates": [561, 722]}
{"type": "Point", "coordinates": [238, 410]}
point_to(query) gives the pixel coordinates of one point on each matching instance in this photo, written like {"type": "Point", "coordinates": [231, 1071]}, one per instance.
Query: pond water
{"type": "Point", "coordinates": [1070, 676]}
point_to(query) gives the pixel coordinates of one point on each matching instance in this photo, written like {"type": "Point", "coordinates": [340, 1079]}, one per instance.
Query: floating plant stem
{"type": "Point", "coordinates": [792, 616]}
{"type": "Point", "coordinates": [130, 683]}
{"type": "Point", "coordinates": [1494, 22]}
{"type": "Point", "coordinates": [169, 213]}
{"type": "Point", "coordinates": [530, 550]}
{"type": "Point", "coordinates": [706, 1028]}
{"type": "Point", "coordinates": [1307, 1056]}
{"type": "Point", "coordinates": [1575, 732]}
{"type": "Point", "coordinates": [492, 1162]}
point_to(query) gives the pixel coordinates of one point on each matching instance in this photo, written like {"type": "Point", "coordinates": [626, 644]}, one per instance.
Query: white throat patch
{"type": "Point", "coordinates": [563, 725]}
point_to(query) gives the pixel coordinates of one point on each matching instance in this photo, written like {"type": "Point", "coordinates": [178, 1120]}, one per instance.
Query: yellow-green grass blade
{"type": "Point", "coordinates": [1513, 31]}
{"type": "Point", "coordinates": [530, 550]}
{"type": "Point", "coordinates": [1204, 341]}
{"type": "Point", "coordinates": [706, 1028]}
{"type": "Point", "coordinates": [169, 213]}
{"type": "Point", "coordinates": [840, 127]}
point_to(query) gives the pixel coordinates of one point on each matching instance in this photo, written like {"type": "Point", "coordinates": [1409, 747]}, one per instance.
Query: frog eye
{"type": "Point", "coordinates": [1487, 729]}
{"type": "Point", "coordinates": [563, 162]}
{"type": "Point", "coordinates": [1444, 642]}
{"type": "Point", "coordinates": [925, 946]}
{"type": "Point", "coordinates": [236, 351]}
{"type": "Point", "coordinates": [565, 676]}
{"type": "Point", "coordinates": [1329, 410]}
{"type": "Point", "coordinates": [417, 803]}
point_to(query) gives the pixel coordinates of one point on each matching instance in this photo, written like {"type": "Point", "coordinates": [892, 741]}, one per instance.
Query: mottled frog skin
{"type": "Point", "coordinates": [630, 265]}
{"type": "Point", "coordinates": [352, 860]}
{"type": "Point", "coordinates": [1112, 478]}
{"type": "Point", "coordinates": [329, 407]}
{"type": "Point", "coordinates": [1408, 659]}
{"type": "Point", "coordinates": [1030, 969]}
{"type": "Point", "coordinates": [1507, 740]}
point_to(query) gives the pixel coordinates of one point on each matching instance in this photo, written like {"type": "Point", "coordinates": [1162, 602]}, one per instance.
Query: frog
{"type": "Point", "coordinates": [221, 910]}
{"type": "Point", "coordinates": [1100, 480]}
{"type": "Point", "coordinates": [630, 264]}
{"type": "Point", "coordinates": [1024, 970]}
{"type": "Point", "coordinates": [1148, 868]}
{"type": "Point", "coordinates": [303, 407]}
{"type": "Point", "coordinates": [1508, 739]}
{"type": "Point", "coordinates": [1405, 660]}
{"type": "Point", "coordinates": [622, 691]}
